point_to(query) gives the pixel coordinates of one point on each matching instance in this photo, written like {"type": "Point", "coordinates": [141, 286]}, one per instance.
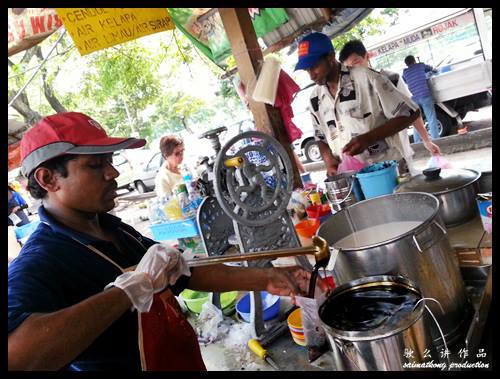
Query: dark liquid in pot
{"type": "Point", "coordinates": [368, 308]}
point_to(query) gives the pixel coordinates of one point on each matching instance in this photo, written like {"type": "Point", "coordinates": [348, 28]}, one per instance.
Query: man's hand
{"type": "Point", "coordinates": [331, 171]}
{"type": "Point", "coordinates": [331, 160]}
{"type": "Point", "coordinates": [290, 281]}
{"type": "Point", "coordinates": [356, 145]}
{"type": "Point", "coordinates": [432, 147]}
{"type": "Point", "coordinates": [160, 266]}
{"type": "Point", "coordinates": [15, 209]}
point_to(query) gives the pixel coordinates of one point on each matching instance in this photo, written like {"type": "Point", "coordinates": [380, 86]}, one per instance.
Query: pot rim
{"type": "Point", "coordinates": [420, 227]}
{"type": "Point", "coordinates": [478, 176]}
{"type": "Point", "coordinates": [368, 335]}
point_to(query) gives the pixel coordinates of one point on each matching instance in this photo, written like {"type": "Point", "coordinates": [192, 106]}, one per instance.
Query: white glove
{"type": "Point", "coordinates": [160, 266]}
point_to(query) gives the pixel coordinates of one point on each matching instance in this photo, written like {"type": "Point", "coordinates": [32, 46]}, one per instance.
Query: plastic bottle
{"type": "Point", "coordinates": [155, 210]}
{"type": "Point", "coordinates": [184, 202]}
{"type": "Point", "coordinates": [194, 194]}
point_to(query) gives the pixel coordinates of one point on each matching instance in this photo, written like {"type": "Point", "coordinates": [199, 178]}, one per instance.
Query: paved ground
{"type": "Point", "coordinates": [479, 160]}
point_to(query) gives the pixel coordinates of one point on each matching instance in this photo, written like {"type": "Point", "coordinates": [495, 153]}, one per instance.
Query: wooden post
{"type": "Point", "coordinates": [248, 56]}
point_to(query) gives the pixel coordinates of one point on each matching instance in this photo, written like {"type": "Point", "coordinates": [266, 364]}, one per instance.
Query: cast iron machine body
{"type": "Point", "coordinates": [252, 180]}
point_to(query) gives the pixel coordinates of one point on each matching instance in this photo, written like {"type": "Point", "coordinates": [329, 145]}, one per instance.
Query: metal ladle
{"type": "Point", "coordinates": [319, 249]}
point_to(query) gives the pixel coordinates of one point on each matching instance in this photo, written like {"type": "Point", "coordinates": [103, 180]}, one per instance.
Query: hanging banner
{"type": "Point", "coordinates": [95, 29]}
{"type": "Point", "coordinates": [203, 26]}
{"type": "Point", "coordinates": [30, 26]}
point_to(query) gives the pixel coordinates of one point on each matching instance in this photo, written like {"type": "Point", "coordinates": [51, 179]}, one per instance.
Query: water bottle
{"type": "Point", "coordinates": [156, 213]}
{"type": "Point", "coordinates": [193, 191]}
{"type": "Point", "coordinates": [184, 202]}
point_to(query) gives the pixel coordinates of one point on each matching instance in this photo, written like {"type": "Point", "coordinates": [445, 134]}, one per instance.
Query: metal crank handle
{"type": "Point", "coordinates": [319, 249]}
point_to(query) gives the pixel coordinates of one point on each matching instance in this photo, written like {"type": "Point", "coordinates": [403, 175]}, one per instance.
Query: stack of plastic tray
{"type": "Point", "coordinates": [175, 229]}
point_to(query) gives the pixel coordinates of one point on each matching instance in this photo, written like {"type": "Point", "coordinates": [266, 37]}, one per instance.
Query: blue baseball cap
{"type": "Point", "coordinates": [311, 48]}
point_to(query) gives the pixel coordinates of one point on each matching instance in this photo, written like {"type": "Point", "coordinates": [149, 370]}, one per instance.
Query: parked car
{"type": "Point", "coordinates": [125, 168]}
{"type": "Point", "coordinates": [145, 173]}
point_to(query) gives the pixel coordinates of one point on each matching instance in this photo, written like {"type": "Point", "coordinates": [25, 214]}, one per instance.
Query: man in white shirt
{"type": "Point", "coordinates": [356, 111]}
{"type": "Point", "coordinates": [354, 54]}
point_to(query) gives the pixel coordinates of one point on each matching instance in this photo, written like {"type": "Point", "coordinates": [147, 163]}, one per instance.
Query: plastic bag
{"type": "Point", "coordinates": [297, 205]}
{"type": "Point", "coordinates": [439, 161]}
{"type": "Point", "coordinates": [314, 334]}
{"type": "Point", "coordinates": [209, 319]}
{"type": "Point", "coordinates": [349, 163]}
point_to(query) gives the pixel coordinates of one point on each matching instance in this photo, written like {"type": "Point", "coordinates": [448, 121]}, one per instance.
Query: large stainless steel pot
{"type": "Point", "coordinates": [386, 343]}
{"type": "Point", "coordinates": [485, 182]}
{"type": "Point", "coordinates": [422, 254]}
{"type": "Point", "coordinates": [455, 189]}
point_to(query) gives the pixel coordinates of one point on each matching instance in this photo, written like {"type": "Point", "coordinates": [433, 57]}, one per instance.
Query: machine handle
{"type": "Point", "coordinates": [418, 245]}
{"type": "Point", "coordinates": [234, 162]}
{"type": "Point", "coordinates": [319, 249]}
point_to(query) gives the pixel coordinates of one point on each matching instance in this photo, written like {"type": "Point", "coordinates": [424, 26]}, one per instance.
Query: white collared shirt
{"type": "Point", "coordinates": [365, 100]}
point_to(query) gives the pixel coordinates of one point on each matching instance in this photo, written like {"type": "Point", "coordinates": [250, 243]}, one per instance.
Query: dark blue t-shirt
{"type": "Point", "coordinates": [53, 271]}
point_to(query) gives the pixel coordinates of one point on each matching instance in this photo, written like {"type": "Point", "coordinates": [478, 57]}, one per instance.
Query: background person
{"type": "Point", "coordinates": [16, 206]}
{"type": "Point", "coordinates": [355, 111]}
{"type": "Point", "coordinates": [354, 54]}
{"type": "Point", "coordinates": [87, 291]}
{"type": "Point", "coordinates": [169, 174]}
{"type": "Point", "coordinates": [415, 76]}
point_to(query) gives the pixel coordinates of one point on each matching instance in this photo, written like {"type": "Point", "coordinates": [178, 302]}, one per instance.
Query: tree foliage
{"type": "Point", "coordinates": [369, 26]}
{"type": "Point", "coordinates": [122, 81]}
{"type": "Point", "coordinates": [137, 88]}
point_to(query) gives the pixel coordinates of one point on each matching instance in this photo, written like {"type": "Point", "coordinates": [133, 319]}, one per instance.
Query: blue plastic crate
{"type": "Point", "coordinates": [25, 230]}
{"type": "Point", "coordinates": [175, 229]}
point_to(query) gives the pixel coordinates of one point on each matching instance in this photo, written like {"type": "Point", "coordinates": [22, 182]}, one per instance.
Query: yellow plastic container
{"type": "Point", "coordinates": [299, 342]}
{"type": "Point", "coordinates": [295, 326]}
{"type": "Point", "coordinates": [295, 319]}
{"type": "Point", "coordinates": [173, 209]}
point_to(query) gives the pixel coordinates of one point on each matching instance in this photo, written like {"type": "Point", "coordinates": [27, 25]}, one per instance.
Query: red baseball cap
{"type": "Point", "coordinates": [68, 133]}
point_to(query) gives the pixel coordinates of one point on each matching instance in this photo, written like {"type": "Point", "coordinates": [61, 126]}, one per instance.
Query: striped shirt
{"type": "Point", "coordinates": [416, 79]}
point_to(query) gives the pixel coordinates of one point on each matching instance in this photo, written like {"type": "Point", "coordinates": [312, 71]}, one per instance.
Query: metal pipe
{"type": "Point", "coordinates": [319, 249]}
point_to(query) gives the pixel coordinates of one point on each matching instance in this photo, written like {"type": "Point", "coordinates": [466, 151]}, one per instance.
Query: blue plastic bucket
{"type": "Point", "coordinates": [378, 179]}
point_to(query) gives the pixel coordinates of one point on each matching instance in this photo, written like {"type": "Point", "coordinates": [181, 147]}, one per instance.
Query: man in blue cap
{"type": "Point", "coordinates": [355, 111]}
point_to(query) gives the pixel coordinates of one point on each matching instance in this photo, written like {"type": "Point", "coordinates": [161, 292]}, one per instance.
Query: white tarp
{"type": "Point", "coordinates": [30, 26]}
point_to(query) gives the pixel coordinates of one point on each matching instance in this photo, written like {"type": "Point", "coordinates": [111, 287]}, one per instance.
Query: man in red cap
{"type": "Point", "coordinates": [355, 111]}
{"type": "Point", "coordinates": [84, 278]}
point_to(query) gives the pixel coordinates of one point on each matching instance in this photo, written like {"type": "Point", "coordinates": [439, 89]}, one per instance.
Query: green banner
{"type": "Point", "coordinates": [203, 26]}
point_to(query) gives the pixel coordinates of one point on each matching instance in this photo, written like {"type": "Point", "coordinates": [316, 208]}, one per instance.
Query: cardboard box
{"type": "Point", "coordinates": [484, 203]}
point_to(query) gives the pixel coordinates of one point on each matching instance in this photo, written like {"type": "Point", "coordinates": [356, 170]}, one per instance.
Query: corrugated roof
{"type": "Point", "coordinates": [331, 21]}
{"type": "Point", "coordinates": [298, 18]}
